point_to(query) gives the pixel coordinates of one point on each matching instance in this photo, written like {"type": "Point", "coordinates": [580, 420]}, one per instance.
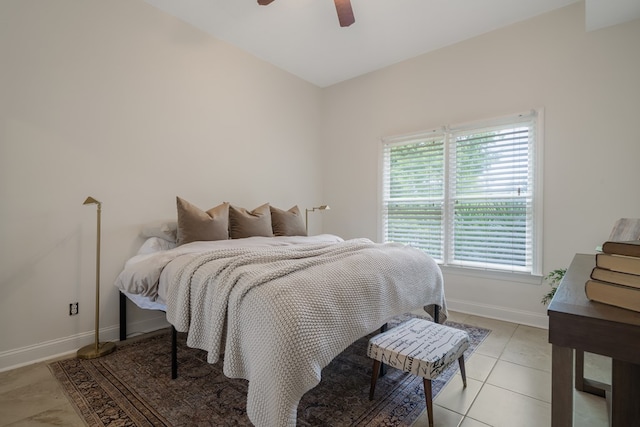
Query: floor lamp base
{"type": "Point", "coordinates": [90, 351]}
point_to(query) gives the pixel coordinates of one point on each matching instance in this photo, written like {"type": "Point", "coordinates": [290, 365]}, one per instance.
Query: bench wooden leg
{"type": "Point", "coordinates": [462, 371]}
{"type": "Point", "coordinates": [374, 378]}
{"type": "Point", "coordinates": [428, 396]}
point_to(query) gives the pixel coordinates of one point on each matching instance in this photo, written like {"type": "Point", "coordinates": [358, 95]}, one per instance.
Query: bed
{"type": "Point", "coordinates": [277, 309]}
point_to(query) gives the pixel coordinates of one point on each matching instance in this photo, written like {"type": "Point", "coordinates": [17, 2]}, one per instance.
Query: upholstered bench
{"type": "Point", "coordinates": [420, 347]}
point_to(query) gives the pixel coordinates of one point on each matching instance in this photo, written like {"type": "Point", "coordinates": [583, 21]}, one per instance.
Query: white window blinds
{"type": "Point", "coordinates": [466, 195]}
{"type": "Point", "coordinates": [414, 188]}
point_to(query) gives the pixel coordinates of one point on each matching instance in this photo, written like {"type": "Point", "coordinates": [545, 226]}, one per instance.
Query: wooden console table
{"type": "Point", "coordinates": [575, 323]}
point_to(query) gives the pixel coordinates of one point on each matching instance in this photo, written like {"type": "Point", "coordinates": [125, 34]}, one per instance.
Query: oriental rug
{"type": "Point", "coordinates": [133, 387]}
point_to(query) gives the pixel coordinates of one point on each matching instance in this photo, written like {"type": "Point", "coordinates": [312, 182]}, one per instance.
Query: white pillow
{"type": "Point", "coordinates": [166, 230]}
{"type": "Point", "coordinates": [155, 244]}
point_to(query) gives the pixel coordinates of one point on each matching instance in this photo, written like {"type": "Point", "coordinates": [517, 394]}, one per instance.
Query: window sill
{"type": "Point", "coordinates": [506, 276]}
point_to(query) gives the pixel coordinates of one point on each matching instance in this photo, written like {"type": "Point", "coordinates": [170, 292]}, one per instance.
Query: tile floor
{"type": "Point", "coordinates": [508, 384]}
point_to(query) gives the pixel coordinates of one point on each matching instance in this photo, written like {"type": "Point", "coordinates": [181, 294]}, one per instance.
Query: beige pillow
{"type": "Point", "coordinates": [243, 223]}
{"type": "Point", "coordinates": [287, 223]}
{"type": "Point", "coordinates": [194, 224]}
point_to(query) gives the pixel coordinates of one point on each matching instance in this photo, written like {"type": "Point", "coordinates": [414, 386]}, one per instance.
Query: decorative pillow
{"type": "Point", "coordinates": [243, 223]}
{"type": "Point", "coordinates": [195, 224]}
{"type": "Point", "coordinates": [166, 230]}
{"type": "Point", "coordinates": [287, 223]}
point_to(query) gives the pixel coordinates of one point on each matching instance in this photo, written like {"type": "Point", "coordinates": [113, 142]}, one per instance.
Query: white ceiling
{"type": "Point", "coordinates": [304, 38]}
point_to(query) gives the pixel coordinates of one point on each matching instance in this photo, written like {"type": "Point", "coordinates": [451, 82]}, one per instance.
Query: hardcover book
{"type": "Point", "coordinates": [625, 229]}
{"type": "Point", "coordinates": [617, 277]}
{"type": "Point", "coordinates": [621, 263]}
{"type": "Point", "coordinates": [628, 248]}
{"type": "Point", "coordinates": [612, 294]}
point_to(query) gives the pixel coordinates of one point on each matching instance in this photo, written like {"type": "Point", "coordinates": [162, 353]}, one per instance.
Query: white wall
{"type": "Point", "coordinates": [588, 84]}
{"type": "Point", "coordinates": [119, 101]}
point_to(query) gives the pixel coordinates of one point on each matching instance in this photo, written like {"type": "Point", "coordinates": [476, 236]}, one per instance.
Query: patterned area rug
{"type": "Point", "coordinates": [133, 387]}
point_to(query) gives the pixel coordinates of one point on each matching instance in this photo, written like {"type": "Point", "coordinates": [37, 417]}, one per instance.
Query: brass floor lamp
{"type": "Point", "coordinates": [97, 349]}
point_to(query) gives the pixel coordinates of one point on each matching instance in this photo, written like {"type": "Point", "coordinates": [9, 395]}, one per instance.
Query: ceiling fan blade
{"type": "Point", "coordinates": [264, 2]}
{"type": "Point", "coordinates": [345, 12]}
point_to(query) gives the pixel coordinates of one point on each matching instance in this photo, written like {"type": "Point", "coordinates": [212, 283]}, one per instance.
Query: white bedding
{"type": "Point", "coordinates": [146, 303]}
{"type": "Point", "coordinates": [147, 274]}
{"type": "Point", "coordinates": [282, 310]}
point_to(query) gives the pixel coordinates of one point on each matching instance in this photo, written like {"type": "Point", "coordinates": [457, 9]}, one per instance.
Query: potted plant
{"type": "Point", "coordinates": [553, 278]}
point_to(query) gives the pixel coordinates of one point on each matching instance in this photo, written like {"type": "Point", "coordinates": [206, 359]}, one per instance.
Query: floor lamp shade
{"type": "Point", "coordinates": [98, 348]}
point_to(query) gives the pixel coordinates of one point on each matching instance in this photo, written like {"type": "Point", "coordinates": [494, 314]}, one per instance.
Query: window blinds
{"type": "Point", "coordinates": [464, 195]}
{"type": "Point", "coordinates": [414, 193]}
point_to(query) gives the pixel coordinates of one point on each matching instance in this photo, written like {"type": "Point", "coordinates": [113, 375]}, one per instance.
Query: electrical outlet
{"type": "Point", "coordinates": [73, 309]}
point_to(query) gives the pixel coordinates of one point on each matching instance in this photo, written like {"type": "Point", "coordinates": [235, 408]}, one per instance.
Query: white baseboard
{"type": "Point", "coordinates": [16, 358]}
{"type": "Point", "coordinates": [66, 346]}
{"type": "Point", "coordinates": [500, 313]}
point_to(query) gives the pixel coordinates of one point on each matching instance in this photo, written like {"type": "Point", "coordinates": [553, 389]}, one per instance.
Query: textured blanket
{"type": "Point", "coordinates": [282, 314]}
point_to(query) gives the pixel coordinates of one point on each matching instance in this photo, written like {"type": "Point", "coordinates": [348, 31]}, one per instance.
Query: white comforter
{"type": "Point", "coordinates": [282, 313]}
{"type": "Point", "coordinates": [149, 274]}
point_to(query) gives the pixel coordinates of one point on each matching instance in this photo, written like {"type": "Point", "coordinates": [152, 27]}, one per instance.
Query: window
{"type": "Point", "coordinates": [467, 195]}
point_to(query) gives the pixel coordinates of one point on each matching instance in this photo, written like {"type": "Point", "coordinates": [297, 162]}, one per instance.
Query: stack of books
{"type": "Point", "coordinates": [616, 278]}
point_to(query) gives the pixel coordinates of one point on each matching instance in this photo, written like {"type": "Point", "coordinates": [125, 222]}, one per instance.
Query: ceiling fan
{"type": "Point", "coordinates": [343, 7]}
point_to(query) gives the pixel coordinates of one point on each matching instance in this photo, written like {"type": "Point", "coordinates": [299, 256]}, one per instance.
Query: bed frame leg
{"type": "Point", "coordinates": [174, 353]}
{"type": "Point", "coordinates": [123, 317]}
